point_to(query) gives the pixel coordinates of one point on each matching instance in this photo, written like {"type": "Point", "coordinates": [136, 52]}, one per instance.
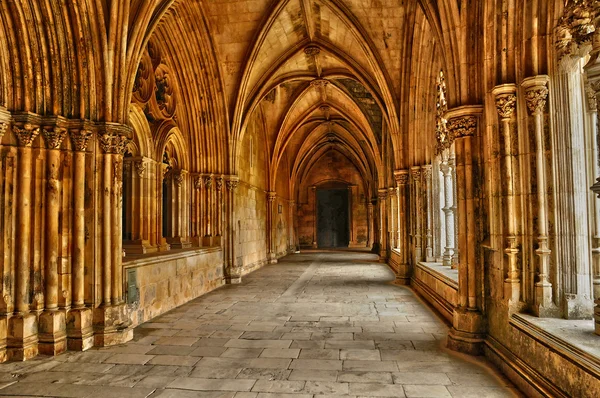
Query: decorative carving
{"type": "Point", "coordinates": [80, 139]}
{"type": "Point", "coordinates": [416, 174]}
{"type": "Point", "coordinates": [576, 27]}
{"type": "Point", "coordinates": [427, 171]}
{"type": "Point", "coordinates": [144, 80]}
{"type": "Point", "coordinates": [319, 83]}
{"type": "Point", "coordinates": [325, 108]}
{"type": "Point", "coordinates": [219, 183]}
{"type": "Point", "coordinates": [271, 196]}
{"type": "Point", "coordinates": [506, 105]}
{"type": "Point", "coordinates": [113, 143]}
{"type": "Point", "coordinates": [208, 182]}
{"type": "Point", "coordinates": [54, 136]}
{"type": "Point", "coordinates": [3, 127]}
{"type": "Point", "coordinates": [164, 91]}
{"type": "Point", "coordinates": [140, 167]}
{"type": "Point", "coordinates": [401, 177]}
{"type": "Point", "coordinates": [26, 134]}
{"type": "Point", "coordinates": [462, 126]}
{"type": "Point", "coordinates": [592, 90]}
{"type": "Point", "coordinates": [232, 185]}
{"type": "Point", "coordinates": [198, 183]}
{"type": "Point", "coordinates": [178, 177]}
{"type": "Point", "coordinates": [444, 140]}
{"type": "Point", "coordinates": [536, 99]}
{"type": "Point", "coordinates": [312, 50]}
{"type": "Point", "coordinates": [382, 194]}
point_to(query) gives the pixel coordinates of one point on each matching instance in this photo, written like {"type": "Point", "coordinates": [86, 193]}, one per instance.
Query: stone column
{"type": "Point", "coordinates": [369, 223]}
{"type": "Point", "coordinates": [417, 221]}
{"type": "Point", "coordinates": [111, 319]}
{"type": "Point", "coordinates": [454, 208]}
{"type": "Point", "coordinates": [392, 217]}
{"type": "Point", "coordinates": [233, 265]}
{"type": "Point", "coordinates": [448, 210]}
{"type": "Point", "coordinates": [197, 211]}
{"type": "Point", "coordinates": [52, 322]}
{"type": "Point", "coordinates": [220, 209]}
{"type": "Point", "coordinates": [427, 175]}
{"type": "Point", "coordinates": [80, 334]}
{"type": "Point", "coordinates": [506, 101]}
{"type": "Point", "coordinates": [592, 70]}
{"type": "Point", "coordinates": [291, 229]}
{"type": "Point", "coordinates": [6, 302]}
{"type": "Point", "coordinates": [208, 203]}
{"type": "Point", "coordinates": [22, 339]}
{"type": "Point", "coordinates": [271, 209]}
{"type": "Point", "coordinates": [536, 92]}
{"type": "Point", "coordinates": [313, 193]}
{"type": "Point", "coordinates": [382, 210]}
{"type": "Point", "coordinates": [468, 331]}
{"type": "Point", "coordinates": [351, 200]}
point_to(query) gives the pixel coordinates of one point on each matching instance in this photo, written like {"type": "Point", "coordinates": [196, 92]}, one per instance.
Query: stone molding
{"type": "Point", "coordinates": [506, 100]}
{"type": "Point", "coordinates": [536, 93]}
{"type": "Point", "coordinates": [576, 28]}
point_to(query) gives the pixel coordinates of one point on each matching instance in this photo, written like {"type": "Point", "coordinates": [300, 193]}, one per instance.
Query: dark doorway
{"type": "Point", "coordinates": [332, 218]}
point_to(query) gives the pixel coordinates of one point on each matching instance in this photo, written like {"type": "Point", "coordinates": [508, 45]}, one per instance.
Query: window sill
{"type": "Point", "coordinates": [441, 272]}
{"type": "Point", "coordinates": [141, 260]}
{"type": "Point", "coordinates": [572, 339]}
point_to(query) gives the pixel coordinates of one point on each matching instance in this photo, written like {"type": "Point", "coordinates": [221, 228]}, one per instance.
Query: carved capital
{"type": "Point", "coordinates": [177, 177]}
{"type": "Point", "coordinates": [3, 127]}
{"type": "Point", "coordinates": [415, 173]}
{"type": "Point", "coordinates": [506, 105]}
{"type": "Point", "coordinates": [401, 177]}
{"type": "Point", "coordinates": [198, 183]}
{"type": "Point", "coordinates": [271, 196]}
{"type": "Point", "coordinates": [140, 167]}
{"type": "Point", "coordinates": [232, 185]}
{"type": "Point", "coordinates": [208, 182]}
{"type": "Point", "coordinates": [54, 136]}
{"type": "Point", "coordinates": [427, 170]}
{"type": "Point", "coordinates": [113, 143]}
{"type": "Point", "coordinates": [535, 98]}
{"type": "Point", "coordinates": [26, 133]}
{"type": "Point", "coordinates": [462, 126]}
{"type": "Point", "coordinates": [80, 139]}
{"type": "Point", "coordinates": [382, 194]}
{"type": "Point", "coordinates": [219, 183]}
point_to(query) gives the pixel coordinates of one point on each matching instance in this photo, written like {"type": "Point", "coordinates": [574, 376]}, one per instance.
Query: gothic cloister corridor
{"type": "Point", "coordinates": [316, 324]}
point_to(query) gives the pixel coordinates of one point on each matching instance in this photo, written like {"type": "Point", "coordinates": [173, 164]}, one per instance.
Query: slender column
{"type": "Point", "coordinates": [197, 211]}
{"type": "Point", "coordinates": [382, 196]}
{"type": "Point", "coordinates": [448, 210]}
{"type": "Point", "coordinates": [271, 197]}
{"type": "Point", "coordinates": [313, 192]}
{"type": "Point", "coordinates": [536, 93]}
{"type": "Point", "coordinates": [370, 224]}
{"type": "Point", "coordinates": [79, 319]}
{"type": "Point", "coordinates": [52, 323]}
{"type": "Point", "coordinates": [208, 183]}
{"type": "Point", "coordinates": [22, 330]}
{"type": "Point", "coordinates": [454, 208]}
{"type": "Point", "coordinates": [416, 197]}
{"type": "Point", "coordinates": [233, 271]}
{"type": "Point", "coordinates": [592, 70]}
{"type": "Point", "coordinates": [427, 174]}
{"type": "Point", "coordinates": [402, 180]}
{"type": "Point", "coordinates": [351, 199]}
{"type": "Point", "coordinates": [291, 230]}
{"type": "Point", "coordinates": [392, 217]}
{"type": "Point", "coordinates": [506, 101]}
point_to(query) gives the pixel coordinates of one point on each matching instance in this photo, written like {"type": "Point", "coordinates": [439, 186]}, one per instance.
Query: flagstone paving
{"type": "Point", "coordinates": [314, 325]}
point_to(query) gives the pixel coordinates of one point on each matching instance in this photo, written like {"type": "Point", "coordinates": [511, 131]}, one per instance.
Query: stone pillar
{"type": "Point", "coordinates": [111, 319]}
{"type": "Point", "coordinates": [80, 334]}
{"type": "Point", "coordinates": [506, 101]}
{"type": "Point", "coordinates": [22, 337]}
{"type": "Point", "coordinates": [139, 201]}
{"type": "Point", "coordinates": [417, 220]}
{"type": "Point", "coordinates": [351, 200]}
{"type": "Point", "coordinates": [536, 92]}
{"type": "Point", "coordinates": [291, 229]}
{"type": "Point", "coordinates": [271, 209]}
{"type": "Point", "coordinates": [382, 210]}
{"type": "Point", "coordinates": [468, 327]}
{"type": "Point", "coordinates": [369, 224]}
{"type": "Point", "coordinates": [220, 210]}
{"type": "Point", "coordinates": [233, 265]}
{"type": "Point", "coordinates": [454, 208]}
{"type": "Point", "coordinates": [427, 176]}
{"type": "Point", "coordinates": [52, 322]}
{"type": "Point", "coordinates": [197, 211]}
{"type": "Point", "coordinates": [179, 238]}
{"type": "Point", "coordinates": [592, 70]}
{"type": "Point", "coordinates": [448, 210]}
{"type": "Point", "coordinates": [392, 217]}
{"type": "Point", "coordinates": [313, 194]}
{"type": "Point", "coordinates": [208, 204]}
{"type": "Point", "coordinates": [6, 302]}
{"type": "Point", "coordinates": [404, 271]}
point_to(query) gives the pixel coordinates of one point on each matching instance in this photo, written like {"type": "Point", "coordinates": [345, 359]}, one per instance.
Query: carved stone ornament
{"type": "Point", "coordinates": [140, 167]}
{"type": "Point", "coordinates": [113, 143]}
{"type": "Point", "coordinates": [219, 183]}
{"type": "Point", "coordinates": [80, 139]}
{"type": "Point", "coordinates": [416, 174]}
{"type": "Point", "coordinates": [232, 185]}
{"type": "Point", "coordinates": [382, 194]}
{"type": "Point", "coordinates": [536, 99]}
{"type": "Point", "coordinates": [580, 19]}
{"type": "Point", "coordinates": [427, 171]}
{"type": "Point", "coordinates": [144, 80]}
{"type": "Point", "coordinates": [26, 134]}
{"type": "Point", "coordinates": [402, 177]}
{"type": "Point", "coordinates": [178, 177]}
{"type": "Point", "coordinates": [3, 127]}
{"type": "Point", "coordinates": [319, 83]}
{"type": "Point", "coordinates": [593, 91]}
{"type": "Point", "coordinates": [462, 126]}
{"type": "Point", "coordinates": [54, 136]}
{"type": "Point", "coordinates": [198, 183]}
{"type": "Point", "coordinates": [506, 105]}
{"type": "Point", "coordinates": [312, 50]}
{"type": "Point", "coordinates": [165, 91]}
{"type": "Point", "coordinates": [325, 108]}
{"type": "Point", "coordinates": [208, 182]}
{"type": "Point", "coordinates": [443, 137]}
{"type": "Point", "coordinates": [271, 196]}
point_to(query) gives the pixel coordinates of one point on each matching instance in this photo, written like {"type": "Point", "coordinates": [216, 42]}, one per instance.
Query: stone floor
{"type": "Point", "coordinates": [317, 324]}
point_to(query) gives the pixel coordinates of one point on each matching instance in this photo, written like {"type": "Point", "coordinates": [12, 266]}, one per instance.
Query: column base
{"type": "Point", "coordinates": [208, 241]}
{"type": "Point", "coordinates": [80, 331]}
{"type": "Point", "coordinates": [138, 247]}
{"type": "Point", "coordinates": [272, 258]}
{"type": "Point", "coordinates": [112, 326]}
{"type": "Point", "coordinates": [233, 280]}
{"type": "Point", "coordinates": [22, 339]}
{"type": "Point", "coordinates": [179, 243]}
{"type": "Point", "coordinates": [52, 333]}
{"type": "Point", "coordinates": [544, 307]}
{"type": "Point", "coordinates": [3, 331]}
{"type": "Point", "coordinates": [468, 332]}
{"type": "Point", "coordinates": [357, 245]}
